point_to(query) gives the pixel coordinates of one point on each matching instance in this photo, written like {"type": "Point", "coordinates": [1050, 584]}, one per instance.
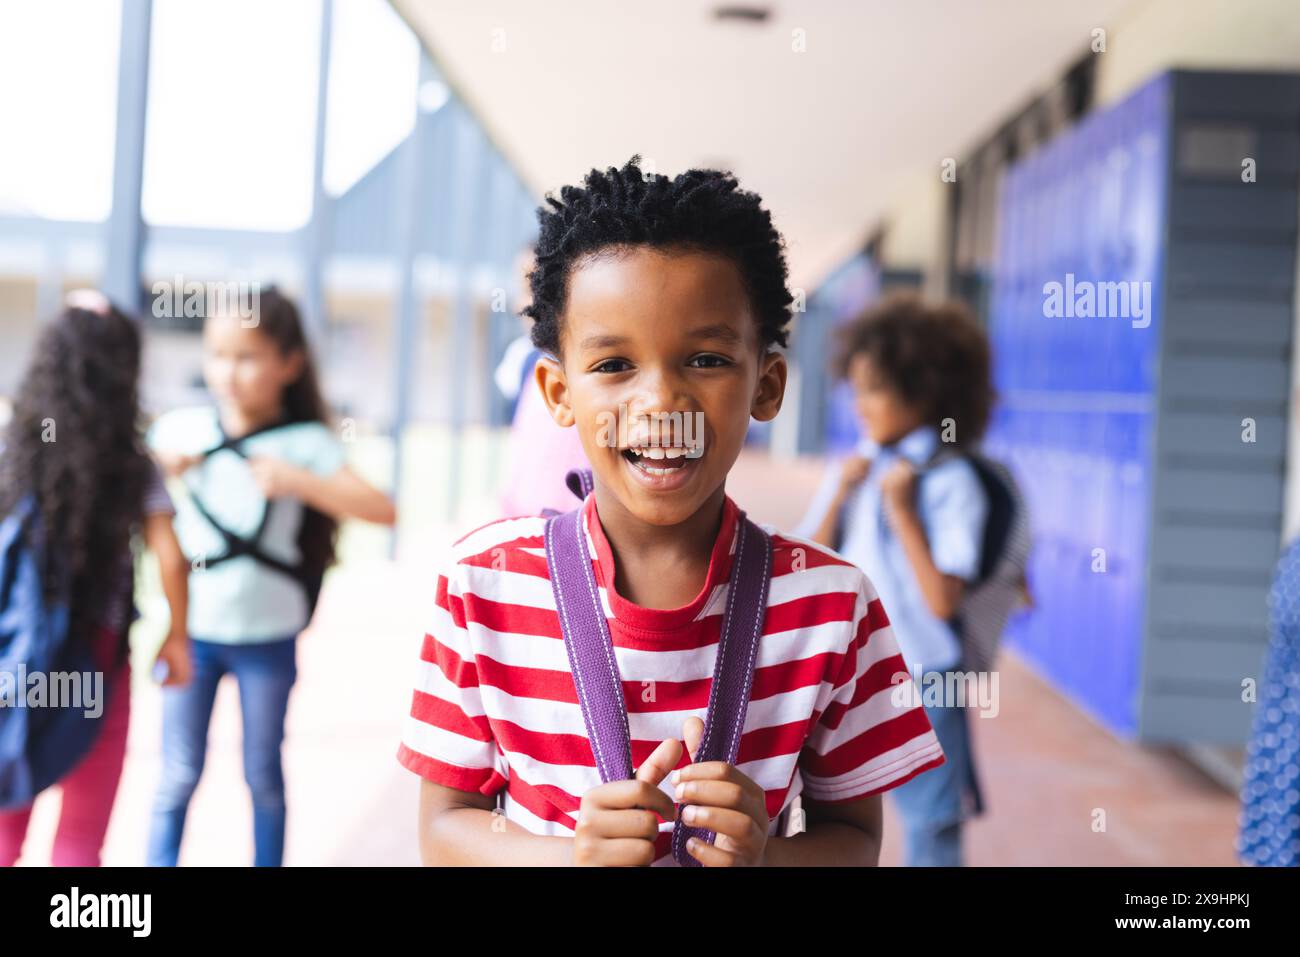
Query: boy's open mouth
{"type": "Point", "coordinates": [658, 467]}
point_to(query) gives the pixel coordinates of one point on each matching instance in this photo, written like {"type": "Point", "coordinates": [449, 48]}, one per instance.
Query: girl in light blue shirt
{"type": "Point", "coordinates": [263, 483]}
{"type": "Point", "coordinates": [909, 510]}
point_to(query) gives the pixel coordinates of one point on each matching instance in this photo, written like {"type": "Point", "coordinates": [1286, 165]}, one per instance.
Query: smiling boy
{"type": "Point", "coordinates": [657, 297]}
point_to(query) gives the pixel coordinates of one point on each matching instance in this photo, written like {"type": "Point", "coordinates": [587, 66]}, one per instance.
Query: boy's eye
{"type": "Point", "coordinates": [703, 361]}
{"type": "Point", "coordinates": [711, 361]}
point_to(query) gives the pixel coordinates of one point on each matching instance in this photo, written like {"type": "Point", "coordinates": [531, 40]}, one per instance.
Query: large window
{"type": "Point", "coordinates": [230, 139]}
{"type": "Point", "coordinates": [374, 67]}
{"type": "Point", "coordinates": [58, 108]}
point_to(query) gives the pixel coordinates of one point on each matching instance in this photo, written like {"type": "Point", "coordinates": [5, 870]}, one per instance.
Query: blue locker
{"type": "Point", "coordinates": [1077, 391]}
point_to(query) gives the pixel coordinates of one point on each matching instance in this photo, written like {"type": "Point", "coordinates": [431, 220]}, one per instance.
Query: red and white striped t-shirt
{"type": "Point", "coordinates": [495, 706]}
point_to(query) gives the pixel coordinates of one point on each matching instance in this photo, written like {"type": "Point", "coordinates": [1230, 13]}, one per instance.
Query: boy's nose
{"type": "Point", "coordinates": [660, 392]}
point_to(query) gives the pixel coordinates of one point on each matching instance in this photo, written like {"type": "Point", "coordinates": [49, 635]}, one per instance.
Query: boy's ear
{"type": "Point", "coordinates": [770, 393]}
{"type": "Point", "coordinates": [550, 379]}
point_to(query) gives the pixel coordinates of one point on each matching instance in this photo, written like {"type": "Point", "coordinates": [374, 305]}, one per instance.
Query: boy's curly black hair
{"type": "Point", "coordinates": [700, 209]}
{"type": "Point", "coordinates": [934, 355]}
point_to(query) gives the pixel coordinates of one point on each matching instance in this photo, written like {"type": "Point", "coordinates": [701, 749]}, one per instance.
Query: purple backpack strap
{"type": "Point", "coordinates": [580, 482]}
{"type": "Point", "coordinates": [595, 669]}
{"type": "Point", "coordinates": [591, 651]}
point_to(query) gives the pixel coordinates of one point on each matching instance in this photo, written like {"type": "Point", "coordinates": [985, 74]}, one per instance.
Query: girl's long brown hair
{"type": "Point", "coordinates": [279, 320]}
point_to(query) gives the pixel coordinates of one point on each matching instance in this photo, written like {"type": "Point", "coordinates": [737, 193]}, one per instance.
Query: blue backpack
{"type": "Point", "coordinates": [38, 745]}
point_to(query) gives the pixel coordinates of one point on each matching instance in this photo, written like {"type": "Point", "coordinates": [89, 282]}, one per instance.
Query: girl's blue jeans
{"type": "Point", "coordinates": [265, 672]}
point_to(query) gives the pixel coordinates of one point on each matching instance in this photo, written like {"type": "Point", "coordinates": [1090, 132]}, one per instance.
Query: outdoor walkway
{"type": "Point", "coordinates": [1046, 767]}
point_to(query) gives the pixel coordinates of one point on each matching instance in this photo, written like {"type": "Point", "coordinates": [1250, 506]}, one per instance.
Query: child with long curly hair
{"type": "Point", "coordinates": [74, 446]}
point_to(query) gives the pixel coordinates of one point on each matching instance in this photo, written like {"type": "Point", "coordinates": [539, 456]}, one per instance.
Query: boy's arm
{"type": "Point", "coordinates": [461, 828]}
{"type": "Point", "coordinates": [961, 513]}
{"type": "Point", "coordinates": [824, 534]}
{"type": "Point", "coordinates": [942, 593]}
{"type": "Point", "coordinates": [448, 741]}
{"type": "Point", "coordinates": [838, 834]}
{"type": "Point", "coordinates": [830, 499]}
{"type": "Point", "coordinates": [872, 735]}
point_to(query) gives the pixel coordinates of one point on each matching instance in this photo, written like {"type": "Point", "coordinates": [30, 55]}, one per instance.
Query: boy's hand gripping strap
{"type": "Point", "coordinates": [595, 669]}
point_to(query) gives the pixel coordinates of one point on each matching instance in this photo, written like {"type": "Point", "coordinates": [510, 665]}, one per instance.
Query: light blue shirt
{"type": "Point", "coordinates": [952, 507]}
{"type": "Point", "coordinates": [241, 601]}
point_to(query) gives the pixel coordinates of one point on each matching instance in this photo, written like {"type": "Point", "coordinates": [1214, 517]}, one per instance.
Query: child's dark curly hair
{"type": "Point", "coordinates": [700, 209]}
{"type": "Point", "coordinates": [74, 444]}
{"type": "Point", "coordinates": [935, 356]}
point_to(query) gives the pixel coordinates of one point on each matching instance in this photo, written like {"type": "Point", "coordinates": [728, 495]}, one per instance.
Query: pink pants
{"type": "Point", "coordinates": [88, 791]}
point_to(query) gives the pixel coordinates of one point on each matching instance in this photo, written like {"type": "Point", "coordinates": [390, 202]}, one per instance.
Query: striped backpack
{"type": "Point", "coordinates": [1001, 583]}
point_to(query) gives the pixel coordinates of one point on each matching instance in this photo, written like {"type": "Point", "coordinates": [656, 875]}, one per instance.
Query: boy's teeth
{"type": "Point", "coordinates": [657, 452]}
{"type": "Point", "coordinates": [644, 455]}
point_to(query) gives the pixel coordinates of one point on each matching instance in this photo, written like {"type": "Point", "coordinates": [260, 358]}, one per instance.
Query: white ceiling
{"type": "Point", "coordinates": [883, 92]}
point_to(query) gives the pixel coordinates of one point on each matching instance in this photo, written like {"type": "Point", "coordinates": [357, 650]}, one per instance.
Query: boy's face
{"type": "Point", "coordinates": [646, 334]}
{"type": "Point", "coordinates": [885, 414]}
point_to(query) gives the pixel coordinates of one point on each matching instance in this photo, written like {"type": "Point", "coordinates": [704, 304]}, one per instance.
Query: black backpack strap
{"type": "Point", "coordinates": [235, 444]}
{"type": "Point", "coordinates": [1001, 507]}
{"type": "Point", "coordinates": [1001, 516]}
{"type": "Point", "coordinates": [238, 546]}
